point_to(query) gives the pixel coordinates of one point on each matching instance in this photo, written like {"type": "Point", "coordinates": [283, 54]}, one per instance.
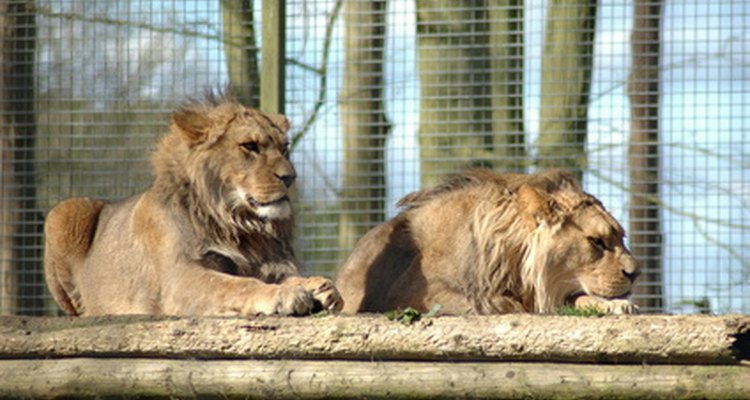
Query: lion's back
{"type": "Point", "coordinates": [397, 261]}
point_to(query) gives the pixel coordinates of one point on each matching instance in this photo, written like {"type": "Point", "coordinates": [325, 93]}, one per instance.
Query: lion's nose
{"type": "Point", "coordinates": [288, 179]}
{"type": "Point", "coordinates": [632, 274]}
{"type": "Point", "coordinates": [629, 265]}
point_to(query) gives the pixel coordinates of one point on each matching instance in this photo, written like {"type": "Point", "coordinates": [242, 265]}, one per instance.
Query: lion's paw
{"type": "Point", "coordinates": [288, 300]}
{"type": "Point", "coordinates": [618, 306]}
{"type": "Point", "coordinates": [326, 293]}
{"type": "Point", "coordinates": [326, 296]}
{"type": "Point", "coordinates": [611, 306]}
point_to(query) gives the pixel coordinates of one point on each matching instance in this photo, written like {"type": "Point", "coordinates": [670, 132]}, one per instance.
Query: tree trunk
{"type": "Point", "coordinates": [252, 379]}
{"type": "Point", "coordinates": [507, 64]}
{"type": "Point", "coordinates": [363, 120]}
{"type": "Point", "coordinates": [471, 82]}
{"type": "Point", "coordinates": [240, 50]}
{"type": "Point", "coordinates": [9, 197]}
{"type": "Point", "coordinates": [698, 339]}
{"type": "Point", "coordinates": [455, 128]}
{"type": "Point", "coordinates": [567, 63]}
{"type": "Point", "coordinates": [273, 56]}
{"type": "Point", "coordinates": [20, 232]}
{"type": "Point", "coordinates": [643, 153]}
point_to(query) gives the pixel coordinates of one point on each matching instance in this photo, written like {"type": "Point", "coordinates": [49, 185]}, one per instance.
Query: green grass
{"type": "Point", "coordinates": [409, 315]}
{"type": "Point", "coordinates": [571, 311]}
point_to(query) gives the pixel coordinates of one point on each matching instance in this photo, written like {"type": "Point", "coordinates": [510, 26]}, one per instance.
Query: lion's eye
{"type": "Point", "coordinates": [251, 147]}
{"type": "Point", "coordinates": [598, 243]}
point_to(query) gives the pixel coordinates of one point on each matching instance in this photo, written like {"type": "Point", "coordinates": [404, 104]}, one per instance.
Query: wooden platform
{"type": "Point", "coordinates": [511, 356]}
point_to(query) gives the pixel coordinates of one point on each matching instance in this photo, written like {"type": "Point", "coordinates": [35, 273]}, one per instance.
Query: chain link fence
{"type": "Point", "coordinates": [647, 101]}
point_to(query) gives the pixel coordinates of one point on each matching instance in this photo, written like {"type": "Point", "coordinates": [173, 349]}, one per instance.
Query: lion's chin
{"type": "Point", "coordinates": [277, 209]}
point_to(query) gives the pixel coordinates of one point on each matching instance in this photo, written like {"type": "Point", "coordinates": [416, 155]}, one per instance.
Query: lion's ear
{"type": "Point", "coordinates": [279, 120]}
{"type": "Point", "coordinates": [533, 205]}
{"type": "Point", "coordinates": [192, 124]}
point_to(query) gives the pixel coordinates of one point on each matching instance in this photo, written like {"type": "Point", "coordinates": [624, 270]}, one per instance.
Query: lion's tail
{"type": "Point", "coordinates": [68, 230]}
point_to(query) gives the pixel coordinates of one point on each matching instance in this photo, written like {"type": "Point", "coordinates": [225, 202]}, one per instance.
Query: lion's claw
{"type": "Point", "coordinates": [620, 306]}
{"type": "Point", "coordinates": [286, 300]}
{"type": "Point", "coordinates": [322, 290]}
{"type": "Point", "coordinates": [611, 306]}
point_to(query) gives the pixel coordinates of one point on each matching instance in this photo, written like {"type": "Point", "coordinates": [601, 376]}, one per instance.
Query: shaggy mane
{"type": "Point", "coordinates": [513, 258]}
{"type": "Point", "coordinates": [196, 193]}
{"type": "Point", "coordinates": [210, 98]}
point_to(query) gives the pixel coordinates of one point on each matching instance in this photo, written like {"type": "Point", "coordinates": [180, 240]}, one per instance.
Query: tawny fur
{"type": "Point", "coordinates": [489, 243]}
{"type": "Point", "coordinates": [210, 236]}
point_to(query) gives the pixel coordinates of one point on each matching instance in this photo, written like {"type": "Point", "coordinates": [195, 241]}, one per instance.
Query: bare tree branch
{"type": "Point", "coordinates": [322, 74]}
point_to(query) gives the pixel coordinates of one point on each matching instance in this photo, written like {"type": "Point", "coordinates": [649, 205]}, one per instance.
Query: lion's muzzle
{"type": "Point", "coordinates": [276, 209]}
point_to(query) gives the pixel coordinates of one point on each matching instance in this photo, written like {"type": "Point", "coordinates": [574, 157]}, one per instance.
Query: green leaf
{"type": "Point", "coordinates": [434, 311]}
{"type": "Point", "coordinates": [409, 315]}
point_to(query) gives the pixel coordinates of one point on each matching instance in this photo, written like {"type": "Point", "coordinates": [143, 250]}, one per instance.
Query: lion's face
{"type": "Point", "coordinates": [596, 259]}
{"type": "Point", "coordinates": [578, 248]}
{"type": "Point", "coordinates": [247, 151]}
{"type": "Point", "coordinates": [256, 167]}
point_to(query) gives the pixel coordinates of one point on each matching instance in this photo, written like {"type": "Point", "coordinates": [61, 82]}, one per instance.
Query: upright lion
{"type": "Point", "coordinates": [210, 236]}
{"type": "Point", "coordinates": [489, 243]}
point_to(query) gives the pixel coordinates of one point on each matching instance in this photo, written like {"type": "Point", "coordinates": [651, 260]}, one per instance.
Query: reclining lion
{"type": "Point", "coordinates": [210, 236]}
{"type": "Point", "coordinates": [489, 243]}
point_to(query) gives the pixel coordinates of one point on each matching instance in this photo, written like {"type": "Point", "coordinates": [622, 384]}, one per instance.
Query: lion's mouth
{"type": "Point", "coordinates": [270, 210]}
{"type": "Point", "coordinates": [258, 204]}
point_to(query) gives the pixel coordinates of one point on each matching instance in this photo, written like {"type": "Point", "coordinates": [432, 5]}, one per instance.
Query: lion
{"type": "Point", "coordinates": [210, 236]}
{"type": "Point", "coordinates": [491, 243]}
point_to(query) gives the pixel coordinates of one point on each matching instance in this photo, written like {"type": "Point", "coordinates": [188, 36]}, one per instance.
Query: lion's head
{"type": "Point", "coordinates": [572, 245]}
{"type": "Point", "coordinates": [491, 243]}
{"type": "Point", "coordinates": [238, 154]}
{"type": "Point", "coordinates": [227, 168]}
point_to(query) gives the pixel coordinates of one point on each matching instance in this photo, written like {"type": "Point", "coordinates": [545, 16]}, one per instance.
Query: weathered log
{"type": "Point", "coordinates": [515, 337]}
{"type": "Point", "coordinates": [357, 379]}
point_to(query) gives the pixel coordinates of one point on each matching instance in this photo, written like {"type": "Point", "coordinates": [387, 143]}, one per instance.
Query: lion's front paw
{"type": "Point", "coordinates": [325, 293]}
{"type": "Point", "coordinates": [288, 300]}
{"type": "Point", "coordinates": [611, 306]}
{"type": "Point", "coordinates": [620, 306]}
{"type": "Point", "coordinates": [326, 296]}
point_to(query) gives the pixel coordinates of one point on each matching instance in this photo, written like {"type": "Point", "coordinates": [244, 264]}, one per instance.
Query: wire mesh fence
{"type": "Point", "coordinates": [648, 102]}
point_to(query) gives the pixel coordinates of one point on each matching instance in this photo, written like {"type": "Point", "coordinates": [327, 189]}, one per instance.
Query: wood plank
{"type": "Point", "coordinates": [85, 377]}
{"type": "Point", "coordinates": [517, 337]}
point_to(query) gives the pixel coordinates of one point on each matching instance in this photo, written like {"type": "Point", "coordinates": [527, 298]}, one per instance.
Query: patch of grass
{"type": "Point", "coordinates": [571, 311]}
{"type": "Point", "coordinates": [409, 315]}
